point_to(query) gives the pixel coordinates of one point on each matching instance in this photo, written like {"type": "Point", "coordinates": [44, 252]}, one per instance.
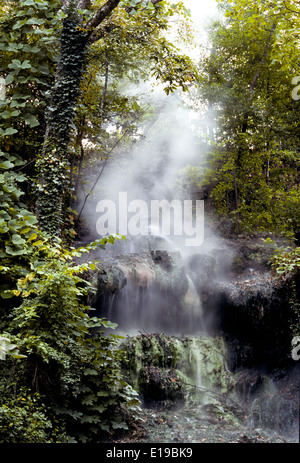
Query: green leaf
{"type": "Point", "coordinates": [35, 21]}
{"type": "Point", "coordinates": [14, 252]}
{"type": "Point", "coordinates": [29, 3]}
{"type": "Point", "coordinates": [37, 243]}
{"type": "Point", "coordinates": [89, 400]}
{"type": "Point", "coordinates": [7, 114]}
{"type": "Point", "coordinates": [116, 425]}
{"type": "Point", "coordinates": [109, 324]}
{"type": "Point", "coordinates": [31, 120]}
{"type": "Point", "coordinates": [10, 78]}
{"type": "Point", "coordinates": [6, 165]}
{"type": "Point", "coordinates": [16, 239]}
{"type": "Point", "coordinates": [9, 131]}
{"type": "Point", "coordinates": [90, 371]}
{"type": "Point", "coordinates": [20, 23]}
{"type": "Point", "coordinates": [26, 64]}
{"type": "Point", "coordinates": [12, 47]}
{"type": "Point", "coordinates": [16, 64]}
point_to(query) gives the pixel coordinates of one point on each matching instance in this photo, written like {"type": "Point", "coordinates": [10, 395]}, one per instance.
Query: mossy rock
{"type": "Point", "coordinates": [110, 280]}
{"type": "Point", "coordinates": [157, 385]}
{"type": "Point", "coordinates": [193, 361]}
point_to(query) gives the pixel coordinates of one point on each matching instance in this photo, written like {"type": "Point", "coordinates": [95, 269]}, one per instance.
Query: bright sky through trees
{"type": "Point", "coordinates": [201, 11]}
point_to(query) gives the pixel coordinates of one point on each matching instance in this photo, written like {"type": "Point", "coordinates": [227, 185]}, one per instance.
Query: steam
{"type": "Point", "coordinates": [152, 170]}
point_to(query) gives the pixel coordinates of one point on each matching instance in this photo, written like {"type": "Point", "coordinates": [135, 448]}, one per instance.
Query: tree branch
{"type": "Point", "coordinates": [102, 13]}
{"type": "Point", "coordinates": [289, 9]}
{"type": "Point", "coordinates": [99, 175]}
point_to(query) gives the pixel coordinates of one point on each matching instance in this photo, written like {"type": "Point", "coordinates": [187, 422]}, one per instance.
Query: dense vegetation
{"type": "Point", "coordinates": [252, 173]}
{"type": "Point", "coordinates": [60, 379]}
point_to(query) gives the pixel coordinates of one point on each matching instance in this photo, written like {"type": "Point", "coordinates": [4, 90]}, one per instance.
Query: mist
{"type": "Point", "coordinates": [152, 169]}
{"type": "Point", "coordinates": [159, 271]}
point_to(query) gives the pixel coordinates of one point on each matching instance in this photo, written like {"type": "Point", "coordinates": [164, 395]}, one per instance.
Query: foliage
{"type": "Point", "coordinates": [69, 361]}
{"type": "Point", "coordinates": [252, 171]}
{"type": "Point", "coordinates": [60, 379]}
{"type": "Point", "coordinates": [259, 14]}
{"type": "Point", "coordinates": [123, 26]}
{"type": "Point", "coordinates": [16, 222]}
{"type": "Point", "coordinates": [286, 261]}
{"type": "Point", "coordinates": [28, 45]}
{"type": "Point", "coordinates": [24, 419]}
{"type": "Point", "coordinates": [46, 50]}
{"type": "Point", "coordinates": [60, 374]}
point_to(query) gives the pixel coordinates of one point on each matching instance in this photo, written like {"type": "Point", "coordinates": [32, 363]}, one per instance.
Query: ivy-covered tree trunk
{"type": "Point", "coordinates": [53, 164]}
{"type": "Point", "coordinates": [76, 40]}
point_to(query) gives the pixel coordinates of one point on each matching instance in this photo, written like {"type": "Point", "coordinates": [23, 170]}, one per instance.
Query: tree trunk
{"type": "Point", "coordinates": [54, 164]}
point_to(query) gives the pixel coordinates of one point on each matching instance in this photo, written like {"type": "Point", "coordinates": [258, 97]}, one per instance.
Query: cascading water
{"type": "Point", "coordinates": [157, 295]}
{"type": "Point", "coordinates": [197, 363]}
{"type": "Point", "coordinates": [174, 294]}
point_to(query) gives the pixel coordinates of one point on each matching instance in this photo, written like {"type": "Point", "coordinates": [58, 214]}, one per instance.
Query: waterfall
{"type": "Point", "coordinates": [196, 360]}
{"type": "Point", "coordinates": [156, 284]}
{"type": "Point", "coordinates": [193, 303]}
{"type": "Point", "coordinates": [158, 295]}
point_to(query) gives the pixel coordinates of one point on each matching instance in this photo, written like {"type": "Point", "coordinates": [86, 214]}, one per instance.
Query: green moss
{"type": "Point", "coordinates": [198, 362]}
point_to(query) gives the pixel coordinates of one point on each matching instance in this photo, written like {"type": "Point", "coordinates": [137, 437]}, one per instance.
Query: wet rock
{"type": "Point", "coordinates": [148, 291]}
{"type": "Point", "coordinates": [163, 258]}
{"type": "Point", "coordinates": [168, 371]}
{"type": "Point", "coordinates": [276, 404]}
{"type": "Point", "coordinates": [253, 252]}
{"type": "Point", "coordinates": [240, 353]}
{"type": "Point", "coordinates": [110, 280]}
{"type": "Point", "coordinates": [203, 270]}
{"type": "Point", "coordinates": [247, 382]}
{"type": "Point", "coordinates": [217, 413]}
{"type": "Point", "coordinates": [159, 386]}
{"type": "Point", "coordinates": [245, 362]}
{"type": "Point", "coordinates": [148, 363]}
{"type": "Point", "coordinates": [256, 315]}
